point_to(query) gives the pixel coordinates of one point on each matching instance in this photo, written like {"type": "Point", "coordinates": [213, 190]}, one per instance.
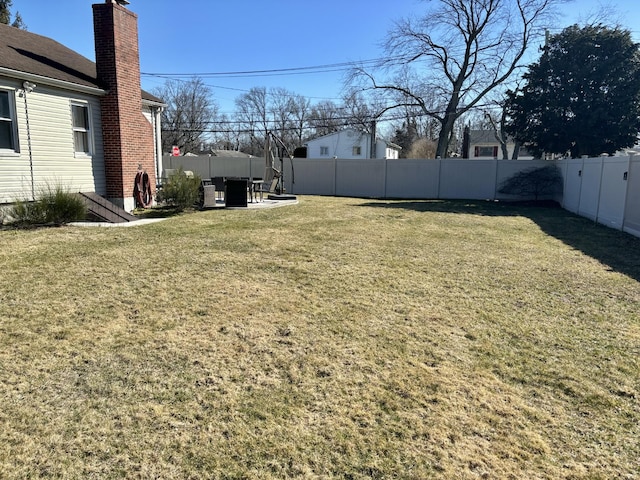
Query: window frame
{"type": "Point", "coordinates": [356, 151]}
{"type": "Point", "coordinates": [86, 130]}
{"type": "Point", "coordinates": [482, 150]}
{"type": "Point", "coordinates": [13, 119]}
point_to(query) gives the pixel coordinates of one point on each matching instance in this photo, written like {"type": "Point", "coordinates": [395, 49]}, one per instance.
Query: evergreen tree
{"type": "Point", "coordinates": [582, 97]}
{"type": "Point", "coordinates": [5, 15]}
{"type": "Point", "coordinates": [5, 12]}
{"type": "Point", "coordinates": [17, 22]}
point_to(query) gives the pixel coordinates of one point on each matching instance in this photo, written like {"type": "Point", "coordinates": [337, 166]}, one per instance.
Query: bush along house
{"type": "Point", "coordinates": [70, 122]}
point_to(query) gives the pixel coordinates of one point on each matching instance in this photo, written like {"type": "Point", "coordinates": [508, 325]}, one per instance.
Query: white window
{"type": "Point", "coordinates": [324, 151]}
{"type": "Point", "coordinates": [484, 151]}
{"type": "Point", "coordinates": [8, 124]}
{"type": "Point", "coordinates": [357, 151]}
{"type": "Point", "coordinates": [81, 128]}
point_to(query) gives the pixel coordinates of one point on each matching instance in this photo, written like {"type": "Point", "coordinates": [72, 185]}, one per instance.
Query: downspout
{"type": "Point", "coordinates": [157, 120]}
{"type": "Point", "coordinates": [28, 88]}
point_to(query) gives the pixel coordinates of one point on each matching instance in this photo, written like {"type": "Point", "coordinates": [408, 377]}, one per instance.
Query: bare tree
{"type": "Point", "coordinates": [277, 110]}
{"type": "Point", "coordinates": [225, 134]}
{"type": "Point", "coordinates": [300, 117]}
{"type": "Point", "coordinates": [498, 132]}
{"type": "Point", "coordinates": [459, 51]}
{"type": "Point", "coordinates": [360, 112]}
{"type": "Point", "coordinates": [252, 112]}
{"type": "Point", "coordinates": [280, 107]}
{"type": "Point", "coordinates": [325, 118]}
{"type": "Point", "coordinates": [189, 114]}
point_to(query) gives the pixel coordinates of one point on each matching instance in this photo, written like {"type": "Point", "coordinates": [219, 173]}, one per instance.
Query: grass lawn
{"type": "Point", "coordinates": [338, 338]}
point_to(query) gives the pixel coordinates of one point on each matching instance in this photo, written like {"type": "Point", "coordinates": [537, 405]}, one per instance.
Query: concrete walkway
{"type": "Point", "coordinates": [266, 203]}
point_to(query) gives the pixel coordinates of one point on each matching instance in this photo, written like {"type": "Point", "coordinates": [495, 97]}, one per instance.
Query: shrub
{"type": "Point", "coordinates": [422, 148]}
{"type": "Point", "coordinates": [54, 206]}
{"type": "Point", "coordinates": [180, 190]}
{"type": "Point", "coordinates": [534, 182]}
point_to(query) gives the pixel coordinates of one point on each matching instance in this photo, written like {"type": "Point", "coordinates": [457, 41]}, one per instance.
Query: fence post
{"type": "Point", "coordinates": [439, 160]}
{"type": "Point", "coordinates": [580, 174]}
{"type": "Point", "coordinates": [495, 180]}
{"type": "Point", "coordinates": [384, 179]}
{"type": "Point", "coordinates": [600, 188]}
{"type": "Point", "coordinates": [626, 193]}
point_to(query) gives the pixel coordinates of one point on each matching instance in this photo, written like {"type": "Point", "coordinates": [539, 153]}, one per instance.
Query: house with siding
{"type": "Point", "coordinates": [483, 144]}
{"type": "Point", "coordinates": [351, 143]}
{"type": "Point", "coordinates": [66, 120]}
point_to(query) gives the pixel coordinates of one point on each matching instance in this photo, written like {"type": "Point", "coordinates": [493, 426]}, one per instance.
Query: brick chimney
{"type": "Point", "coordinates": [126, 133]}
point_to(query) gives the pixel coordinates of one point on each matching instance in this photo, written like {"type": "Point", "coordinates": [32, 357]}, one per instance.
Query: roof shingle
{"type": "Point", "coordinates": [28, 52]}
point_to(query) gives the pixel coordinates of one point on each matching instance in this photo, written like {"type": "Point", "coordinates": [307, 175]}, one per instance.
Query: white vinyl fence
{"type": "Point", "coordinates": [371, 178]}
{"type": "Point", "coordinates": [606, 189]}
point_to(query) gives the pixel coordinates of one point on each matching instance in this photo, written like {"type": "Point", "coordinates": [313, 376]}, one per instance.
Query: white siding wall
{"type": "Point", "coordinates": [52, 150]}
{"type": "Point", "coordinates": [340, 145]}
{"type": "Point", "coordinates": [14, 169]}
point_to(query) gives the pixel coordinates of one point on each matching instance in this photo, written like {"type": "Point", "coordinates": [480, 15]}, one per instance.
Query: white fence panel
{"type": "Point", "coordinates": [613, 192]}
{"type": "Point", "coordinates": [468, 179]}
{"type": "Point", "coordinates": [632, 211]}
{"type": "Point", "coordinates": [591, 175]}
{"type": "Point", "coordinates": [313, 176]}
{"type": "Point", "coordinates": [360, 178]}
{"type": "Point", "coordinates": [508, 168]}
{"type": "Point", "coordinates": [211, 166]}
{"type": "Point", "coordinates": [198, 165]}
{"type": "Point", "coordinates": [572, 172]}
{"type": "Point", "coordinates": [410, 178]}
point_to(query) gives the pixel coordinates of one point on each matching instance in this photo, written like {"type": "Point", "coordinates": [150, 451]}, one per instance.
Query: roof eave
{"type": "Point", "coordinates": [151, 103]}
{"type": "Point", "coordinates": [52, 82]}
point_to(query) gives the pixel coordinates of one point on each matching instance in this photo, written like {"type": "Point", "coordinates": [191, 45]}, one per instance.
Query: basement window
{"type": "Point", "coordinates": [81, 128]}
{"type": "Point", "coordinates": [8, 124]}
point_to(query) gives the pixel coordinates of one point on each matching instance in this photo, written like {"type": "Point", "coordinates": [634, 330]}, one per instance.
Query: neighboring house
{"type": "Point", "coordinates": [65, 120]}
{"type": "Point", "coordinates": [483, 144]}
{"type": "Point", "coordinates": [351, 143]}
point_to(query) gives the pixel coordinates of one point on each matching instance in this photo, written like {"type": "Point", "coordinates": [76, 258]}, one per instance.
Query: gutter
{"type": "Point", "coordinates": [76, 87]}
{"type": "Point", "coordinates": [151, 103]}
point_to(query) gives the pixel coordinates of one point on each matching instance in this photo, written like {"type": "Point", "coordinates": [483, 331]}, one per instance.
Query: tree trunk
{"type": "Point", "coordinates": [446, 128]}
{"type": "Point", "coordinates": [516, 150]}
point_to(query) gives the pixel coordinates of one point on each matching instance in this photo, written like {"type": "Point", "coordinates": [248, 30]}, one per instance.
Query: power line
{"type": "Point", "coordinates": [345, 121]}
{"type": "Point", "coordinates": [326, 68]}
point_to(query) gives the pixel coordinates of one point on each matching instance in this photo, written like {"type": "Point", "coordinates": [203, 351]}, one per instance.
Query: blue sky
{"type": "Point", "coordinates": [207, 36]}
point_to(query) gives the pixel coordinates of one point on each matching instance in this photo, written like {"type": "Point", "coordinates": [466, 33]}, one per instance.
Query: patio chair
{"type": "Point", "coordinates": [270, 189]}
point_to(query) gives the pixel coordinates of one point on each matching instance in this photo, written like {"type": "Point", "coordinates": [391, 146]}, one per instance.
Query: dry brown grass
{"type": "Point", "coordinates": [339, 338]}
